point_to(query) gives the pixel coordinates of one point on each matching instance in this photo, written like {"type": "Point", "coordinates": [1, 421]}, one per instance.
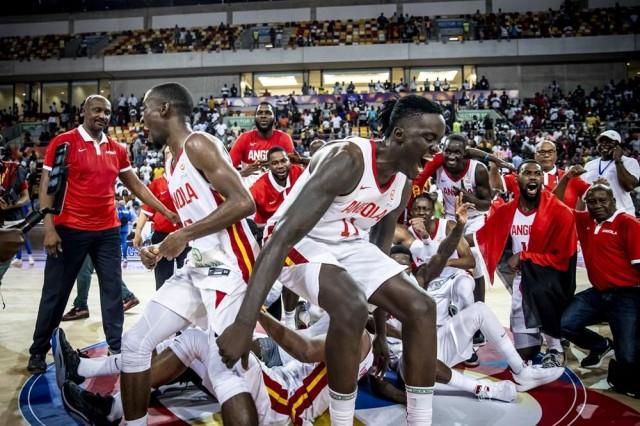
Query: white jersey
{"type": "Point", "coordinates": [521, 230]}
{"type": "Point", "coordinates": [296, 393]}
{"type": "Point", "coordinates": [351, 217]}
{"type": "Point", "coordinates": [194, 199]}
{"type": "Point", "coordinates": [446, 184]}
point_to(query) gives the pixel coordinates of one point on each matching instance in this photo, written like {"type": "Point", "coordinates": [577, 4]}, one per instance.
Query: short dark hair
{"type": "Point", "coordinates": [400, 249]}
{"type": "Point", "coordinates": [274, 150]}
{"type": "Point", "coordinates": [395, 110]}
{"type": "Point", "coordinates": [458, 137]}
{"type": "Point", "coordinates": [432, 197]}
{"type": "Point", "coordinates": [528, 161]}
{"type": "Point", "coordinates": [176, 95]}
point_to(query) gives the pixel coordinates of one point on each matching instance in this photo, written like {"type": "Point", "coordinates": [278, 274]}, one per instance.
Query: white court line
{"type": "Point", "coordinates": [575, 397]}
{"type": "Point", "coordinates": [29, 399]}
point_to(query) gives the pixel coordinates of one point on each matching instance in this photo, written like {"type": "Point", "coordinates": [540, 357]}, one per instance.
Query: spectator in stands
{"type": "Point", "coordinates": [224, 91]}
{"type": "Point", "coordinates": [234, 91]}
{"type": "Point", "coordinates": [87, 225]}
{"type": "Point", "coordinates": [483, 84]}
{"type": "Point", "coordinates": [124, 216]}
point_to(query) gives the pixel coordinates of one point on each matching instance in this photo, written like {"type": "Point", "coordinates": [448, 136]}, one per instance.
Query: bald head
{"type": "Point", "coordinates": [174, 94]}
{"type": "Point", "coordinates": [97, 113]}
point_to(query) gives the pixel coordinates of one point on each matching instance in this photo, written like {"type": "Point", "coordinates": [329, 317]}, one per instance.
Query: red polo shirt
{"type": "Point", "coordinates": [160, 188]}
{"type": "Point", "coordinates": [610, 249]}
{"type": "Point", "coordinates": [268, 195]}
{"type": "Point", "coordinates": [251, 147]}
{"type": "Point", "coordinates": [89, 201]}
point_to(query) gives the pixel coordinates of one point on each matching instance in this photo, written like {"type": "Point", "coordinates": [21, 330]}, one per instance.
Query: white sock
{"type": "Point", "coordinates": [142, 421]}
{"type": "Point", "coordinates": [116, 408]}
{"type": "Point", "coordinates": [289, 319]}
{"type": "Point", "coordinates": [463, 382]}
{"type": "Point", "coordinates": [496, 334]}
{"type": "Point", "coordinates": [103, 366]}
{"type": "Point", "coordinates": [419, 405]}
{"type": "Point", "coordinates": [553, 343]}
{"type": "Point", "coordinates": [342, 408]}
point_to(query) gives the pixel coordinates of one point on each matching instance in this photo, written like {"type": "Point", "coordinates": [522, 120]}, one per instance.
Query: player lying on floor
{"type": "Point", "coordinates": [455, 345]}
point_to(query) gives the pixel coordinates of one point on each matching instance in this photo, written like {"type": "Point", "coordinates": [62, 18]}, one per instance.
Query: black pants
{"type": "Point", "coordinates": [164, 268]}
{"type": "Point", "coordinates": [60, 274]}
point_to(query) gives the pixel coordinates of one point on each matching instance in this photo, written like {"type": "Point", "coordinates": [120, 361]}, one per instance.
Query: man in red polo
{"type": "Point", "coordinates": [271, 188]}
{"type": "Point", "coordinates": [87, 224]}
{"type": "Point", "coordinates": [609, 239]}
{"type": "Point", "coordinates": [249, 151]}
{"type": "Point", "coordinates": [161, 228]}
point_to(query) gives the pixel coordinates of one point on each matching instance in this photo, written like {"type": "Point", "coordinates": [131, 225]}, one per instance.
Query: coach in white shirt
{"type": "Point", "coordinates": [620, 171]}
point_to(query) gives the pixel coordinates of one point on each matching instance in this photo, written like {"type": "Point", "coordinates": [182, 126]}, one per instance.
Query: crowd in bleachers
{"type": "Point", "coordinates": [568, 21]}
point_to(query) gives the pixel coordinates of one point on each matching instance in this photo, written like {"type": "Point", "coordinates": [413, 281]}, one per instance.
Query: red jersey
{"type": "Point", "coordinates": [251, 147]}
{"type": "Point", "coordinates": [611, 250]}
{"type": "Point", "coordinates": [160, 188]}
{"type": "Point", "coordinates": [268, 195]}
{"type": "Point", "coordinates": [89, 201]}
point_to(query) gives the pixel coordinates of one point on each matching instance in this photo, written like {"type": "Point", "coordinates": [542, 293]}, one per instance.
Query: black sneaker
{"type": "Point", "coordinates": [479, 339]}
{"type": "Point", "coordinates": [553, 358]}
{"type": "Point", "coordinates": [596, 357]}
{"type": "Point", "coordinates": [473, 361]}
{"type": "Point", "coordinates": [37, 364]}
{"type": "Point", "coordinates": [87, 407]}
{"type": "Point", "coordinates": [65, 358]}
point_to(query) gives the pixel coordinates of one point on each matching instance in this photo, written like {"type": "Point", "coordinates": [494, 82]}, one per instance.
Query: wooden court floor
{"type": "Point", "coordinates": [21, 292]}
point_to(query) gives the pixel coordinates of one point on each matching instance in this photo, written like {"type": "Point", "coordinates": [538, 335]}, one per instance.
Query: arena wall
{"type": "Point", "coordinates": [22, 29]}
{"type": "Point", "coordinates": [199, 86]}
{"type": "Point", "coordinates": [467, 7]}
{"type": "Point", "coordinates": [355, 12]}
{"type": "Point", "coordinates": [270, 15]}
{"type": "Point", "coordinates": [107, 25]}
{"type": "Point", "coordinates": [525, 5]}
{"type": "Point", "coordinates": [189, 20]}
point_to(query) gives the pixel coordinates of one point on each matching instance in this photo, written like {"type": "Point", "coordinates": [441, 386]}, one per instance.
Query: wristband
{"type": "Point", "coordinates": [486, 157]}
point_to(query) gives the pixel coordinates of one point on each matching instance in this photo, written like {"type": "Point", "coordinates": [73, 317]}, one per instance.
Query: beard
{"type": "Point", "coordinates": [532, 198]}
{"type": "Point", "coordinates": [264, 129]}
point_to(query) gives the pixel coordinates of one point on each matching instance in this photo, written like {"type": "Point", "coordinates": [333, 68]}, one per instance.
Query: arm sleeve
{"type": "Point", "coordinates": [630, 233]}
{"type": "Point", "coordinates": [287, 143]}
{"type": "Point", "coordinates": [632, 166]}
{"type": "Point", "coordinates": [123, 159]}
{"type": "Point", "coordinates": [428, 171]}
{"type": "Point", "coordinates": [236, 150]}
{"type": "Point", "coordinates": [49, 156]}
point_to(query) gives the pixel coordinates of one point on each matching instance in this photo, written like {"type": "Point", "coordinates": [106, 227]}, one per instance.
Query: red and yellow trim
{"type": "Point", "coordinates": [302, 399]}
{"type": "Point", "coordinates": [295, 258]}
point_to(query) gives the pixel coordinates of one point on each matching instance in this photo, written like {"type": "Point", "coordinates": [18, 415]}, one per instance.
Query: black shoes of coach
{"type": "Point", "coordinates": [88, 408]}
{"type": "Point", "coordinates": [66, 359]}
{"type": "Point", "coordinates": [596, 357]}
{"type": "Point", "coordinates": [37, 364]}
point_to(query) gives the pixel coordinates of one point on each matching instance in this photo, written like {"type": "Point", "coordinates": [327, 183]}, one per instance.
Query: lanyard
{"type": "Point", "coordinates": [600, 169]}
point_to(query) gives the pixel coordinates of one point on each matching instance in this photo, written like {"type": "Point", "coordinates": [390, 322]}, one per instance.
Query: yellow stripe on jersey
{"type": "Point", "coordinates": [289, 262]}
{"type": "Point", "coordinates": [243, 249]}
{"type": "Point", "coordinates": [273, 394]}
{"type": "Point", "coordinates": [305, 395]}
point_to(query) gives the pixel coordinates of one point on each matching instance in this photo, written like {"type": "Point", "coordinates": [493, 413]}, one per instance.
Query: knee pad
{"type": "Point", "coordinates": [191, 344]}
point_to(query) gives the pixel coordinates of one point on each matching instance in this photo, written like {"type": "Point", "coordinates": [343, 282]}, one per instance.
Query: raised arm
{"type": "Point", "coordinates": [628, 181]}
{"type": "Point", "coordinates": [465, 258]}
{"type": "Point", "coordinates": [561, 187]}
{"type": "Point", "coordinates": [481, 197]}
{"type": "Point", "coordinates": [335, 173]}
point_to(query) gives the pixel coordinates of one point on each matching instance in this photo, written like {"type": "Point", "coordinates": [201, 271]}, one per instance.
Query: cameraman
{"type": "Point", "coordinates": [14, 194]}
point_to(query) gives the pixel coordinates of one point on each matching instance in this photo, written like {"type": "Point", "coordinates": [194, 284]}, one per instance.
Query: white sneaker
{"type": "Point", "coordinates": [533, 376]}
{"type": "Point", "coordinates": [504, 390]}
{"type": "Point", "coordinates": [31, 261]}
{"type": "Point", "coordinates": [17, 263]}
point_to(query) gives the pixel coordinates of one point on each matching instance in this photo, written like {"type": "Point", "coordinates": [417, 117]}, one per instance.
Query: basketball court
{"type": "Point", "coordinates": [580, 397]}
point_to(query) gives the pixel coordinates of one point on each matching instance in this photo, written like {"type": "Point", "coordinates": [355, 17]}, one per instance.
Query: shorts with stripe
{"type": "Point", "coordinates": [207, 297]}
{"type": "Point", "coordinates": [365, 263]}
